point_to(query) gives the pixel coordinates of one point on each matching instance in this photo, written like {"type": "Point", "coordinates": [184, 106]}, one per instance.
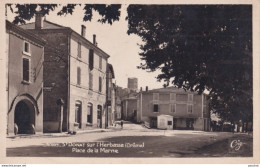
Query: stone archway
{"type": "Point", "coordinates": [24, 117]}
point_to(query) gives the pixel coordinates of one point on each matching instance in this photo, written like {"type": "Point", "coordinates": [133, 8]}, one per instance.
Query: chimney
{"type": "Point", "coordinates": [146, 88]}
{"type": "Point", "coordinates": [94, 39]}
{"type": "Point", "coordinates": [83, 30]}
{"type": "Point", "coordinates": [38, 20]}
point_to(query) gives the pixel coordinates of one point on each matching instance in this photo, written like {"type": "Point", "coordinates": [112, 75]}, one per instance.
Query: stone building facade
{"type": "Point", "coordinates": [75, 71]}
{"type": "Point", "coordinates": [188, 109]}
{"type": "Point", "coordinates": [25, 56]}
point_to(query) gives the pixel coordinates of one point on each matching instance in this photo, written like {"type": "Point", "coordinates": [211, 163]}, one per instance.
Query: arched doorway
{"type": "Point", "coordinates": [25, 117]}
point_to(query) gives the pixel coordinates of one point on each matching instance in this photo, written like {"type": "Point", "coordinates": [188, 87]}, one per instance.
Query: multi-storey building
{"type": "Point", "coordinates": [25, 55]}
{"type": "Point", "coordinates": [74, 71]}
{"type": "Point", "coordinates": [188, 110]}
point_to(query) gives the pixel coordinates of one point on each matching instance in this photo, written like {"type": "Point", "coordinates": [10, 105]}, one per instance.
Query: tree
{"type": "Point", "coordinates": [196, 47]}
{"type": "Point", "coordinates": [109, 13]}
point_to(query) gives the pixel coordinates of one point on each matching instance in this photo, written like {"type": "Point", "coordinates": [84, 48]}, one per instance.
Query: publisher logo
{"type": "Point", "coordinates": [236, 145]}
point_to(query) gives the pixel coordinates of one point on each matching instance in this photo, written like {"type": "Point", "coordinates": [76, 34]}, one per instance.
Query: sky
{"type": "Point", "coordinates": [112, 39]}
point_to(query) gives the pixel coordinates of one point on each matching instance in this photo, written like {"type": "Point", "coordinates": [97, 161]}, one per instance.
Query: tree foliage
{"type": "Point", "coordinates": [109, 13]}
{"type": "Point", "coordinates": [196, 47]}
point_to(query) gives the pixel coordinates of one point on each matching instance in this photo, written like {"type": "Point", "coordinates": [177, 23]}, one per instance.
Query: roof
{"type": "Point", "coordinates": [47, 25]}
{"type": "Point", "coordinates": [25, 33]}
{"type": "Point", "coordinates": [169, 89]}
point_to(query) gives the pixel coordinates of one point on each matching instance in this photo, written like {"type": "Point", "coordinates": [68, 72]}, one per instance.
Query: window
{"type": "Point", "coordinates": [155, 96]}
{"type": "Point", "coordinates": [100, 62]}
{"type": "Point", "coordinates": [79, 50]}
{"type": "Point", "coordinates": [169, 122]}
{"type": "Point", "coordinates": [155, 108]}
{"type": "Point", "coordinates": [89, 113]}
{"type": "Point", "coordinates": [90, 81]}
{"type": "Point", "coordinates": [78, 76]}
{"type": "Point", "coordinates": [26, 69]}
{"type": "Point", "coordinates": [190, 108]}
{"type": "Point", "coordinates": [173, 108]}
{"type": "Point", "coordinates": [172, 96]}
{"type": "Point", "coordinates": [100, 84]}
{"type": "Point", "coordinates": [91, 59]}
{"type": "Point", "coordinates": [190, 97]}
{"type": "Point", "coordinates": [26, 47]}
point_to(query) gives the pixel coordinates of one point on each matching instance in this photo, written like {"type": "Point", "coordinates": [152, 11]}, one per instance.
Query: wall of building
{"type": "Point", "coordinates": [17, 89]}
{"type": "Point", "coordinates": [164, 106]}
{"type": "Point", "coordinates": [55, 77]}
{"type": "Point", "coordinates": [81, 92]}
{"type": "Point", "coordinates": [129, 106]}
{"type": "Point", "coordinates": [199, 114]}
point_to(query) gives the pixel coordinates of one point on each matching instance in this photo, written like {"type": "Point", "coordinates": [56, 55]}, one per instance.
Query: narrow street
{"type": "Point", "coordinates": [132, 141]}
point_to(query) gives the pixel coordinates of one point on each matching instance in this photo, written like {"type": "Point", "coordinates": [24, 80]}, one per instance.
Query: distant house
{"type": "Point", "coordinates": [25, 56]}
{"type": "Point", "coordinates": [188, 109]}
{"type": "Point", "coordinates": [129, 109]}
{"type": "Point", "coordinates": [75, 71]}
{"type": "Point", "coordinates": [111, 97]}
{"type": "Point", "coordinates": [118, 113]}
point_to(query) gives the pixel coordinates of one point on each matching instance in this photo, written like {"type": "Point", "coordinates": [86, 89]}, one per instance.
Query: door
{"type": "Point", "coordinates": [78, 114]}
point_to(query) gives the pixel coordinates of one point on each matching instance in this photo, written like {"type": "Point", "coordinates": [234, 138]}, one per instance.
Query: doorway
{"type": "Point", "coordinates": [78, 113]}
{"type": "Point", "coordinates": [99, 116]}
{"type": "Point", "coordinates": [25, 117]}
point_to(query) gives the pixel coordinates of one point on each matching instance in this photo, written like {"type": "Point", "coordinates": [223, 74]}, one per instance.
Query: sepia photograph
{"type": "Point", "coordinates": [133, 80]}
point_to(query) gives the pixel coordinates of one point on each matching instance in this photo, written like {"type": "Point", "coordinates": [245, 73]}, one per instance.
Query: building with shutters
{"type": "Point", "coordinates": [75, 71]}
{"type": "Point", "coordinates": [24, 55]}
{"type": "Point", "coordinates": [188, 110]}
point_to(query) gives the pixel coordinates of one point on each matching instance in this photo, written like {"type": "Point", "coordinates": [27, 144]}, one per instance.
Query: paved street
{"type": "Point", "coordinates": [132, 141]}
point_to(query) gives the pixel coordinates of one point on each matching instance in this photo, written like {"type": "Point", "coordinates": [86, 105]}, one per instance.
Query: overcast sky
{"type": "Point", "coordinates": [122, 48]}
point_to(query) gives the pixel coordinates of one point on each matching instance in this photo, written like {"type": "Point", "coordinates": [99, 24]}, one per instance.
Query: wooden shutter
{"type": "Point", "coordinates": [91, 59]}
{"type": "Point", "coordinates": [79, 49]}
{"type": "Point", "coordinates": [100, 84]}
{"type": "Point", "coordinates": [78, 75]}
{"type": "Point", "coordinates": [90, 81]}
{"type": "Point", "coordinates": [26, 70]}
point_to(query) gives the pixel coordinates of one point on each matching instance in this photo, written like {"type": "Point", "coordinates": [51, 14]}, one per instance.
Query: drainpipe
{"type": "Point", "coordinates": [68, 100]}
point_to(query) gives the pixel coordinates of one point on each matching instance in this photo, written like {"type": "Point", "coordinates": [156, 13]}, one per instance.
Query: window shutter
{"type": "Point", "coordinates": [90, 81]}
{"type": "Point", "coordinates": [91, 59]}
{"type": "Point", "coordinates": [26, 72]}
{"type": "Point", "coordinates": [78, 76]}
{"type": "Point", "coordinates": [100, 84]}
{"type": "Point", "coordinates": [79, 49]}
{"type": "Point", "coordinates": [100, 62]}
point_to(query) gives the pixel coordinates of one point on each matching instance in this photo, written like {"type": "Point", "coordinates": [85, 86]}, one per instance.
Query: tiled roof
{"type": "Point", "coordinates": [46, 25]}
